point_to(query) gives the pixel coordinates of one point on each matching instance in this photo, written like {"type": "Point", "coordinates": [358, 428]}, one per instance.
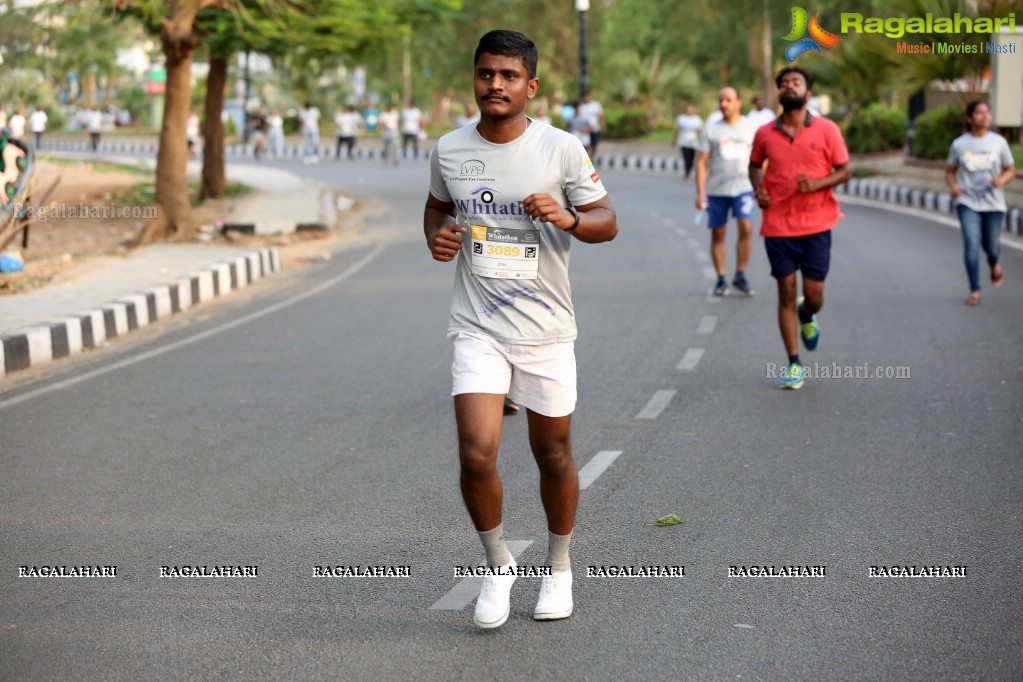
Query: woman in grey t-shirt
{"type": "Point", "coordinates": [979, 165]}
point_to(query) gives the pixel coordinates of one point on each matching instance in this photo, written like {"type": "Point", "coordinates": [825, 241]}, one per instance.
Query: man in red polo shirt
{"type": "Point", "coordinates": [806, 157]}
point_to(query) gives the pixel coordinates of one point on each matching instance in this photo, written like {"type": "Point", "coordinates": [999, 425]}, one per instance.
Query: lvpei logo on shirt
{"type": "Point", "coordinates": [818, 36]}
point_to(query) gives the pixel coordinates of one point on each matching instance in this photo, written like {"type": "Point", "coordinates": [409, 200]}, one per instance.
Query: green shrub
{"type": "Point", "coordinates": [934, 130]}
{"type": "Point", "coordinates": [876, 128]}
{"type": "Point", "coordinates": [624, 124]}
{"type": "Point", "coordinates": [291, 124]}
{"type": "Point", "coordinates": [135, 100]}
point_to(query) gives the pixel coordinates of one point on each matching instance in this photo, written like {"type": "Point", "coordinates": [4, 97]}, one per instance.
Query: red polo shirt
{"type": "Point", "coordinates": [815, 150]}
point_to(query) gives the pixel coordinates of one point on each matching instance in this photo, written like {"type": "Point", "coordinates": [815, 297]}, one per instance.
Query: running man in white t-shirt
{"type": "Point", "coordinates": [506, 198]}
{"type": "Point", "coordinates": [347, 124]}
{"type": "Point", "coordinates": [688, 127]}
{"type": "Point", "coordinates": [310, 117]}
{"type": "Point", "coordinates": [723, 187]}
{"type": "Point", "coordinates": [37, 122]}
{"type": "Point", "coordinates": [412, 124]}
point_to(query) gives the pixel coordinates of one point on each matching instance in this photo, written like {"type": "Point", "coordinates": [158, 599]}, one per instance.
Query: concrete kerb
{"type": "Point", "coordinates": [43, 342]}
{"type": "Point", "coordinates": [92, 328]}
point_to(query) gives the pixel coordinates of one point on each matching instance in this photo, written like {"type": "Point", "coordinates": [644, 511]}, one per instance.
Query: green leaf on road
{"type": "Point", "coordinates": [669, 520]}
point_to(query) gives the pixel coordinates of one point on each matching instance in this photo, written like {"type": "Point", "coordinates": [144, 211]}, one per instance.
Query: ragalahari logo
{"type": "Point", "coordinates": [818, 36]}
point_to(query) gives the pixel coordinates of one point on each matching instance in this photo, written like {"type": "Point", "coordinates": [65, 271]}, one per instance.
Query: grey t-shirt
{"type": "Point", "coordinates": [978, 160]}
{"type": "Point", "coordinates": [688, 129]}
{"type": "Point", "coordinates": [511, 277]}
{"type": "Point", "coordinates": [729, 145]}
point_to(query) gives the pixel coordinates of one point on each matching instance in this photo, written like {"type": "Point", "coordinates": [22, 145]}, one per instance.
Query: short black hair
{"type": "Point", "coordinates": [807, 76]}
{"type": "Point", "coordinates": [972, 107]}
{"type": "Point", "coordinates": [509, 44]}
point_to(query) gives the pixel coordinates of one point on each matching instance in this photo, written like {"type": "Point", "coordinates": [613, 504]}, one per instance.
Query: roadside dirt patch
{"type": "Point", "coordinates": [81, 228]}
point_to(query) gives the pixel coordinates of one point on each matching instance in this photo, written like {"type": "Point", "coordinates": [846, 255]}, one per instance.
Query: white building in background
{"type": "Point", "coordinates": [135, 60]}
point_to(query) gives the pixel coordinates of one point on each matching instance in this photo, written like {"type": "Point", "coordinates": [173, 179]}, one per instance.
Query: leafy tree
{"type": "Point", "coordinates": [934, 131]}
{"type": "Point", "coordinates": [651, 84]}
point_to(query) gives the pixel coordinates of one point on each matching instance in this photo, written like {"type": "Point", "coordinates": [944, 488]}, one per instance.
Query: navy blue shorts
{"type": "Point", "coordinates": [741, 206]}
{"type": "Point", "coordinates": [810, 254]}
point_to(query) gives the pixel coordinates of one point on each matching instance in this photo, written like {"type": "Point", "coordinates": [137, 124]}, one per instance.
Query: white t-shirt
{"type": "Point", "coordinates": [94, 120]}
{"type": "Point", "coordinates": [17, 126]}
{"type": "Point", "coordinates": [347, 123]}
{"type": "Point", "coordinates": [714, 117]}
{"type": "Point", "coordinates": [978, 161]}
{"type": "Point", "coordinates": [729, 146]}
{"type": "Point", "coordinates": [688, 128]}
{"type": "Point", "coordinates": [192, 127]}
{"type": "Point", "coordinates": [592, 111]}
{"type": "Point", "coordinates": [310, 120]}
{"type": "Point", "coordinates": [512, 273]}
{"type": "Point", "coordinates": [388, 122]}
{"type": "Point", "coordinates": [37, 121]}
{"type": "Point", "coordinates": [411, 121]}
{"type": "Point", "coordinates": [276, 123]}
{"type": "Point", "coordinates": [761, 117]}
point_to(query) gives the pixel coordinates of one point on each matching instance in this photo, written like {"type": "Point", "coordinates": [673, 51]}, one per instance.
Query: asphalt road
{"type": "Point", "coordinates": [307, 422]}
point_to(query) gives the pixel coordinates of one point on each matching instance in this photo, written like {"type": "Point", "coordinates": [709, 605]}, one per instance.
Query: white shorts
{"type": "Point", "coordinates": [540, 378]}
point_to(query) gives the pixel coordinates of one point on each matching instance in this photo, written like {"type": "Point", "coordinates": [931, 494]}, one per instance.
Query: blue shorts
{"type": "Point", "coordinates": [811, 254]}
{"type": "Point", "coordinates": [718, 207]}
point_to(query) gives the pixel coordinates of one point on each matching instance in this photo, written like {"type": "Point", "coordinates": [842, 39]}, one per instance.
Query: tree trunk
{"type": "Point", "coordinates": [178, 41]}
{"type": "Point", "coordinates": [214, 180]}
{"type": "Point", "coordinates": [89, 89]}
{"type": "Point", "coordinates": [767, 68]}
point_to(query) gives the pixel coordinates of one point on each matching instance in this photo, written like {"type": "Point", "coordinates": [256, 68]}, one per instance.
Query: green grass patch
{"type": "Point", "coordinates": [103, 166]}
{"type": "Point", "coordinates": [659, 136]}
{"type": "Point", "coordinates": [144, 193]}
{"type": "Point", "coordinates": [132, 131]}
{"type": "Point", "coordinates": [1017, 153]}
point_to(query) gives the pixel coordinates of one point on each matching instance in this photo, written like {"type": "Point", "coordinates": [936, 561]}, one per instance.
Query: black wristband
{"type": "Point", "coordinates": [571, 209]}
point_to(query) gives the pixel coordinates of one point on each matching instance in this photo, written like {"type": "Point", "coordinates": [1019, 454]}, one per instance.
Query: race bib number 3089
{"type": "Point", "coordinates": [504, 252]}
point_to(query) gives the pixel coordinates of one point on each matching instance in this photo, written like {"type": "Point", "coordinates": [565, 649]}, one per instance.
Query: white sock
{"type": "Point", "coordinates": [493, 545]}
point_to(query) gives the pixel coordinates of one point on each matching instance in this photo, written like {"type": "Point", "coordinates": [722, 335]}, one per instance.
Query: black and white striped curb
{"type": "Point", "coordinates": [231, 150]}
{"type": "Point", "coordinates": [914, 197]}
{"type": "Point", "coordinates": [91, 328]}
{"type": "Point", "coordinates": [867, 188]}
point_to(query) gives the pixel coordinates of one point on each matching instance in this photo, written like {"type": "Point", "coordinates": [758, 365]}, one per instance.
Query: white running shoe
{"type": "Point", "coordinates": [494, 603]}
{"type": "Point", "coordinates": [555, 600]}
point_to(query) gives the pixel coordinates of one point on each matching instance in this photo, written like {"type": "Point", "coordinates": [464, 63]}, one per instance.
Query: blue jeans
{"type": "Point", "coordinates": [310, 144]}
{"type": "Point", "coordinates": [979, 229]}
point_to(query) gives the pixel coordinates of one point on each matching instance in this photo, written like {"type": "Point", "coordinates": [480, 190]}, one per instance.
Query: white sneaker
{"type": "Point", "coordinates": [555, 600]}
{"type": "Point", "coordinates": [494, 603]}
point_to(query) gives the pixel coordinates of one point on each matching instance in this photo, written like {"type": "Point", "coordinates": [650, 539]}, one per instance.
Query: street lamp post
{"type": "Point", "coordinates": [581, 6]}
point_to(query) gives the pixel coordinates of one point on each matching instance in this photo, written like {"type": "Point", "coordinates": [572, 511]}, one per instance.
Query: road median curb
{"type": "Point", "coordinates": [91, 328]}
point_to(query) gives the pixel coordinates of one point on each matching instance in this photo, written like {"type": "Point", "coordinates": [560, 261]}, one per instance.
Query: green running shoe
{"type": "Point", "coordinates": [793, 378]}
{"type": "Point", "coordinates": [809, 331]}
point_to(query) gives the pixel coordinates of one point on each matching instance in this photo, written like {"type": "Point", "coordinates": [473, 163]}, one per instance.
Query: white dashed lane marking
{"type": "Point", "coordinates": [707, 324]}
{"type": "Point", "coordinates": [467, 589]}
{"type": "Point", "coordinates": [596, 466]}
{"type": "Point", "coordinates": [656, 405]}
{"type": "Point", "coordinates": [690, 359]}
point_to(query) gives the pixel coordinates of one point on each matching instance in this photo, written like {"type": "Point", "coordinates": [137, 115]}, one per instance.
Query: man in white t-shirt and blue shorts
{"type": "Point", "coordinates": [723, 186]}
{"type": "Point", "coordinates": [506, 198]}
